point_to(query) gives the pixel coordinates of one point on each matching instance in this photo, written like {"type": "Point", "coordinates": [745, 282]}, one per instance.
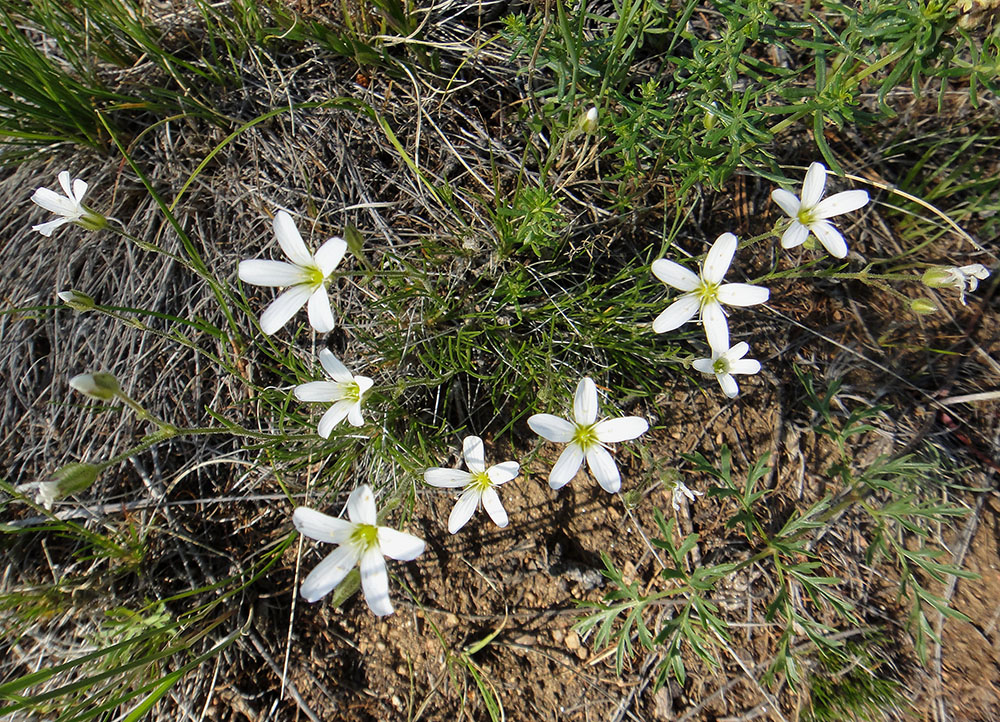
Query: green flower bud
{"type": "Point", "coordinates": [92, 220]}
{"type": "Point", "coordinates": [67, 480]}
{"type": "Point", "coordinates": [99, 386]}
{"type": "Point", "coordinates": [922, 305]}
{"type": "Point", "coordinates": [589, 122]}
{"type": "Point", "coordinates": [940, 277]}
{"type": "Point", "coordinates": [77, 300]}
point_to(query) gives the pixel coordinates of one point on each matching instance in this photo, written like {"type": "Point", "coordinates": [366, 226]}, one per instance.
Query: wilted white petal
{"type": "Point", "coordinates": [320, 313]}
{"type": "Point", "coordinates": [465, 507]}
{"type": "Point", "coordinates": [329, 255]}
{"type": "Point", "coordinates": [361, 506]}
{"type": "Point", "coordinates": [333, 416]}
{"type": "Point", "coordinates": [566, 466]}
{"type": "Point", "coordinates": [716, 326]}
{"type": "Point", "coordinates": [838, 203]}
{"type": "Point", "coordinates": [502, 473]}
{"type": "Point", "coordinates": [318, 391]}
{"type": "Point", "coordinates": [375, 581]}
{"type": "Point", "coordinates": [552, 428]}
{"type": "Point", "coordinates": [399, 545]}
{"type": "Point", "coordinates": [290, 240]}
{"type": "Point", "coordinates": [675, 275]}
{"type": "Point", "coordinates": [611, 431]}
{"type": "Point", "coordinates": [604, 469]}
{"type": "Point", "coordinates": [283, 308]}
{"type": "Point", "coordinates": [719, 257]}
{"type": "Point", "coordinates": [795, 235]}
{"type": "Point", "coordinates": [830, 237]}
{"type": "Point", "coordinates": [261, 272]}
{"type": "Point", "coordinates": [745, 366]}
{"type": "Point", "coordinates": [585, 402]}
{"type": "Point", "coordinates": [333, 366]}
{"type": "Point", "coordinates": [786, 201]}
{"type": "Point", "coordinates": [447, 478]}
{"type": "Point", "coordinates": [728, 384]}
{"type": "Point", "coordinates": [742, 294]}
{"type": "Point", "coordinates": [329, 573]}
{"type": "Point", "coordinates": [677, 313]}
{"type": "Point", "coordinates": [813, 185]}
{"type": "Point", "coordinates": [493, 506]}
{"type": "Point", "coordinates": [475, 456]}
{"type": "Point", "coordinates": [321, 527]}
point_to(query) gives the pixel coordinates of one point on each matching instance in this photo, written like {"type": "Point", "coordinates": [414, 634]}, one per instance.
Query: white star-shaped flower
{"type": "Point", "coordinates": [346, 391]}
{"type": "Point", "coordinates": [724, 365]}
{"type": "Point", "coordinates": [586, 437]}
{"type": "Point", "coordinates": [680, 492]}
{"type": "Point", "coordinates": [811, 213]}
{"type": "Point", "coordinates": [68, 207]}
{"type": "Point", "coordinates": [705, 294]}
{"type": "Point", "coordinates": [965, 278]}
{"type": "Point", "coordinates": [361, 542]}
{"type": "Point", "coordinates": [306, 276]}
{"type": "Point", "coordinates": [479, 482]}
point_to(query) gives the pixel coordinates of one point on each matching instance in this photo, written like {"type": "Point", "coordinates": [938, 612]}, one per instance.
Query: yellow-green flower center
{"type": "Point", "coordinates": [806, 216]}
{"type": "Point", "coordinates": [585, 437]}
{"type": "Point", "coordinates": [350, 390]}
{"type": "Point", "coordinates": [365, 536]}
{"type": "Point", "coordinates": [720, 365]}
{"type": "Point", "coordinates": [707, 292]}
{"type": "Point", "coordinates": [480, 480]}
{"type": "Point", "coordinates": [314, 276]}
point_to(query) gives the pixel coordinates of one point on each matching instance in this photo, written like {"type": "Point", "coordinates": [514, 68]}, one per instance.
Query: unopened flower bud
{"type": "Point", "coordinates": [67, 480]}
{"type": "Point", "coordinates": [589, 121]}
{"type": "Point", "coordinates": [77, 300]}
{"type": "Point", "coordinates": [92, 220]}
{"type": "Point", "coordinates": [99, 386]}
{"type": "Point", "coordinates": [922, 306]}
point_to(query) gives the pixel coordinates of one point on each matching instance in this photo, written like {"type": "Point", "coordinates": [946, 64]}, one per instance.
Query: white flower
{"type": "Point", "coordinates": [705, 294]}
{"type": "Point", "coordinates": [361, 542]}
{"type": "Point", "coordinates": [306, 276]}
{"type": "Point", "coordinates": [727, 363]}
{"type": "Point", "coordinates": [810, 214]}
{"type": "Point", "coordinates": [68, 207]}
{"type": "Point", "coordinates": [69, 479]}
{"type": "Point", "coordinates": [480, 485]}
{"type": "Point", "coordinates": [586, 437]}
{"type": "Point", "coordinates": [964, 279]}
{"type": "Point", "coordinates": [681, 491]}
{"type": "Point", "coordinates": [346, 391]}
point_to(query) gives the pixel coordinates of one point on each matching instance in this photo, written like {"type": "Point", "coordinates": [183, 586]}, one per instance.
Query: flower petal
{"type": "Point", "coordinates": [283, 308]}
{"type": "Point", "coordinates": [259, 272]}
{"type": "Point", "coordinates": [728, 384]}
{"type": "Point", "coordinates": [795, 235]}
{"type": "Point", "coordinates": [813, 185]}
{"type": "Point", "coordinates": [494, 507]}
{"type": "Point", "coordinates": [465, 507]}
{"type": "Point", "coordinates": [354, 417]}
{"type": "Point", "coordinates": [361, 506]}
{"type": "Point", "coordinates": [552, 428]}
{"type": "Point", "coordinates": [603, 467]}
{"type": "Point", "coordinates": [742, 294]}
{"type": "Point", "coordinates": [677, 313]}
{"type": "Point", "coordinates": [675, 275]}
{"type": "Point", "coordinates": [364, 383]}
{"type": "Point", "coordinates": [54, 203]}
{"type": "Point", "coordinates": [447, 478]}
{"type": "Point", "coordinates": [705, 365]}
{"type": "Point", "coordinates": [329, 573]}
{"type": "Point", "coordinates": [321, 527]}
{"type": "Point", "coordinates": [472, 450]}
{"type": "Point", "coordinates": [737, 351]}
{"type": "Point", "coordinates": [747, 366]}
{"type": "Point", "coordinates": [399, 545]}
{"type": "Point", "coordinates": [788, 202]}
{"type": "Point", "coordinates": [585, 402]}
{"type": "Point", "coordinates": [329, 255]}
{"type": "Point", "coordinates": [64, 181]}
{"type": "Point", "coordinates": [830, 237]}
{"type": "Point", "coordinates": [318, 391]}
{"type": "Point", "coordinates": [48, 227]}
{"type": "Point", "coordinates": [290, 240]}
{"type": "Point", "coordinates": [566, 466]}
{"type": "Point", "coordinates": [375, 581]}
{"type": "Point", "coordinates": [716, 327]}
{"type": "Point", "coordinates": [320, 313]}
{"type": "Point", "coordinates": [502, 473]}
{"type": "Point", "coordinates": [720, 255]}
{"type": "Point", "coordinates": [334, 367]}
{"type": "Point", "coordinates": [79, 190]}
{"type": "Point", "coordinates": [611, 431]}
{"type": "Point", "coordinates": [838, 203]}
{"type": "Point", "coordinates": [333, 416]}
